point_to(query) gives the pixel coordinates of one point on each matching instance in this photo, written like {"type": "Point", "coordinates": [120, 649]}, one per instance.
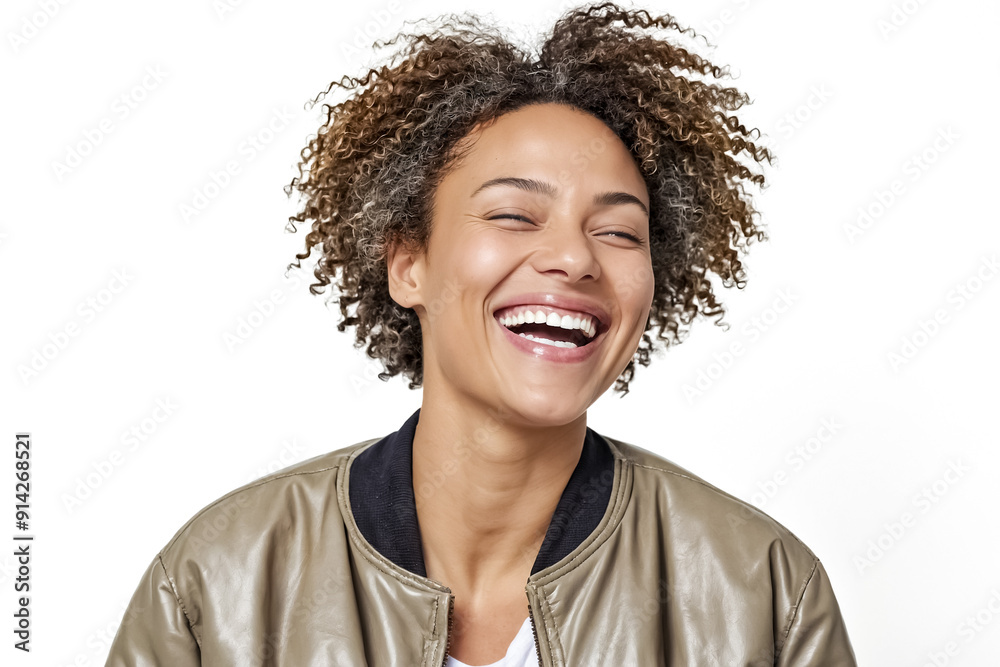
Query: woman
{"type": "Point", "coordinates": [513, 234]}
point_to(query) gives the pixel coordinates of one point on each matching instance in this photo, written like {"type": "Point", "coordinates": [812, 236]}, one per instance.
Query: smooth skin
{"type": "Point", "coordinates": [501, 428]}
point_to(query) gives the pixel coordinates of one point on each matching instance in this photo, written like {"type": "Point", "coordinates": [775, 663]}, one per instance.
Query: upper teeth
{"type": "Point", "coordinates": [527, 315]}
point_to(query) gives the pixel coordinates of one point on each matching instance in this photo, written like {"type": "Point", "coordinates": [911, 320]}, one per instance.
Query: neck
{"type": "Point", "coordinates": [486, 486]}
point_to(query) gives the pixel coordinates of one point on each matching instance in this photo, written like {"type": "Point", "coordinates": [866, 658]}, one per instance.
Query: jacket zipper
{"type": "Point", "coordinates": [534, 634]}
{"type": "Point", "coordinates": [447, 644]}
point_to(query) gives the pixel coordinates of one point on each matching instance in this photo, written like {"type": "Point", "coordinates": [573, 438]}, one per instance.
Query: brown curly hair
{"type": "Point", "coordinates": [368, 177]}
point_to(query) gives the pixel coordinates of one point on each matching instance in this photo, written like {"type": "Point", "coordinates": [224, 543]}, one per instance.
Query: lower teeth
{"type": "Point", "coordinates": [555, 343]}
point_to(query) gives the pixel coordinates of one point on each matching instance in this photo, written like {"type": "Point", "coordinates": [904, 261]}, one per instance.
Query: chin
{"type": "Point", "coordinates": [546, 406]}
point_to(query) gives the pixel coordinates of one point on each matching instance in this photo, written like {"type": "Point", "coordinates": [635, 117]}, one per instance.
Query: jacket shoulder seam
{"type": "Point", "coordinates": [190, 522]}
{"type": "Point", "coordinates": [183, 529]}
{"type": "Point", "coordinates": [795, 610]}
{"type": "Point", "coordinates": [177, 598]}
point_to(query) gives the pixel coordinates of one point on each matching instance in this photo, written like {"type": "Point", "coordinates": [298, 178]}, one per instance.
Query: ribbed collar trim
{"type": "Point", "coordinates": [382, 500]}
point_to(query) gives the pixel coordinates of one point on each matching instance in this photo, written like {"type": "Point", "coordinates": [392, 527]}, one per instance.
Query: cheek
{"type": "Point", "coordinates": [461, 276]}
{"type": "Point", "coordinates": [634, 286]}
{"type": "Point", "coordinates": [484, 260]}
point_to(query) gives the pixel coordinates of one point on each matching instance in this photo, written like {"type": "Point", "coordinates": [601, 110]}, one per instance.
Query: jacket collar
{"type": "Point", "coordinates": [384, 508]}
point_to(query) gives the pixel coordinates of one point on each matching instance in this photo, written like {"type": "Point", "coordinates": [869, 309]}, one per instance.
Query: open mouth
{"type": "Point", "coordinates": [551, 326]}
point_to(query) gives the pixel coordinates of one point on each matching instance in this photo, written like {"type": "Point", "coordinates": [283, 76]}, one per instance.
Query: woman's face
{"type": "Point", "coordinates": [533, 291]}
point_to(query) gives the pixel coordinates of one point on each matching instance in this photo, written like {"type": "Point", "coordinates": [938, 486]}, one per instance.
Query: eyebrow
{"type": "Point", "coordinates": [549, 190]}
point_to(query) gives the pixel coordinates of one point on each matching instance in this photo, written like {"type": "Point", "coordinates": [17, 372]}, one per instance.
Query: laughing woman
{"type": "Point", "coordinates": [514, 233]}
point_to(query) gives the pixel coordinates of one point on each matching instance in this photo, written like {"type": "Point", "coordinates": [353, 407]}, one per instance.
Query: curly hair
{"type": "Point", "coordinates": [367, 178]}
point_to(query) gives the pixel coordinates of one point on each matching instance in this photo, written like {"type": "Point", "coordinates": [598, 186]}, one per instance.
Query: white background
{"type": "Point", "coordinates": [850, 100]}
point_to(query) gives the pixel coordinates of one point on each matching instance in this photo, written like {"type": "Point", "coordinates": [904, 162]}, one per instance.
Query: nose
{"type": "Point", "coordinates": [565, 249]}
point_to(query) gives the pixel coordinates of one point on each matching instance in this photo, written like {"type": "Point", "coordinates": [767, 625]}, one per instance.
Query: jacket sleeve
{"type": "Point", "coordinates": [155, 630]}
{"type": "Point", "coordinates": [816, 635]}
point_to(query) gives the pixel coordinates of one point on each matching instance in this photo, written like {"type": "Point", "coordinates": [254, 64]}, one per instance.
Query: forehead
{"type": "Point", "coordinates": [554, 142]}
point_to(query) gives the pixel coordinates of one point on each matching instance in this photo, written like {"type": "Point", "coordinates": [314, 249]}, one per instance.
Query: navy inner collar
{"type": "Point", "coordinates": [382, 500]}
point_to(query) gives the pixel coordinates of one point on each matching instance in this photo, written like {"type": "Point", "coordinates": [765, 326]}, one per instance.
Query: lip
{"type": "Point", "coordinates": [559, 301]}
{"type": "Point", "coordinates": [550, 352]}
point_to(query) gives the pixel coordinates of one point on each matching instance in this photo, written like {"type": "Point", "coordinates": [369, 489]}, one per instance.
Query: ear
{"type": "Point", "coordinates": [405, 265]}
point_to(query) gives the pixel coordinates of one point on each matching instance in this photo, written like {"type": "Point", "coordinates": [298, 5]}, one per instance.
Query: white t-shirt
{"type": "Point", "coordinates": [520, 653]}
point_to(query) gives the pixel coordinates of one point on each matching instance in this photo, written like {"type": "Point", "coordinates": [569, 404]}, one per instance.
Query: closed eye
{"type": "Point", "coordinates": [619, 234]}
{"type": "Point", "coordinates": [510, 216]}
{"type": "Point", "coordinates": [625, 235]}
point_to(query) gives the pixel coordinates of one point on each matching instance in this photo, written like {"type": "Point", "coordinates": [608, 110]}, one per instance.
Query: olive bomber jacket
{"type": "Point", "coordinates": [321, 563]}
